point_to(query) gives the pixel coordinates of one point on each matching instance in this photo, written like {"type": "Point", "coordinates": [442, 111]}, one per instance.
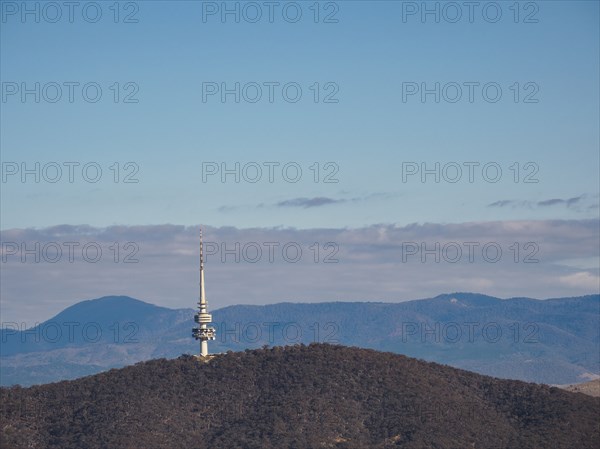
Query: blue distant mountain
{"type": "Point", "coordinates": [554, 341]}
{"type": "Point", "coordinates": [97, 320]}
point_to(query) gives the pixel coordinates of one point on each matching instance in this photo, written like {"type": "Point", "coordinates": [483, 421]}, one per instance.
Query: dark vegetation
{"type": "Point", "coordinates": [317, 396]}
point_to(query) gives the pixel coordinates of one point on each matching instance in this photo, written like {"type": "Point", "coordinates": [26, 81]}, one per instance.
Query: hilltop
{"type": "Point", "coordinates": [296, 397]}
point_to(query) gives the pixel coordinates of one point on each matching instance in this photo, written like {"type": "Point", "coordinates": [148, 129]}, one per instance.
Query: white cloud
{"type": "Point", "coordinates": [583, 280]}
{"type": "Point", "coordinates": [372, 264]}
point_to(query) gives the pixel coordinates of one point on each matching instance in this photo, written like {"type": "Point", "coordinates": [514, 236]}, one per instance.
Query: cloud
{"type": "Point", "coordinates": [568, 202]}
{"type": "Point", "coordinates": [318, 201]}
{"type": "Point", "coordinates": [309, 202]}
{"type": "Point", "coordinates": [501, 203]}
{"type": "Point", "coordinates": [582, 279]}
{"type": "Point", "coordinates": [551, 202]}
{"type": "Point", "coordinates": [226, 209]}
{"type": "Point", "coordinates": [260, 265]}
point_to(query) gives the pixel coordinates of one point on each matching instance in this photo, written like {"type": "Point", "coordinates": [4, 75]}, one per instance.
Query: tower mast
{"type": "Point", "coordinates": [203, 318]}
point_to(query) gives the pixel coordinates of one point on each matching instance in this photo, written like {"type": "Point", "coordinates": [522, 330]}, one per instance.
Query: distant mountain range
{"type": "Point", "coordinates": [302, 397]}
{"type": "Point", "coordinates": [553, 341]}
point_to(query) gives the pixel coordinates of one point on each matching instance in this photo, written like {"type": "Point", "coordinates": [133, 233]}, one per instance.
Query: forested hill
{"type": "Point", "coordinates": [316, 396]}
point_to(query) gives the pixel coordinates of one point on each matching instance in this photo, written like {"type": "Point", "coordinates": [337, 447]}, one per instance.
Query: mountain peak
{"type": "Point", "coordinates": [104, 308]}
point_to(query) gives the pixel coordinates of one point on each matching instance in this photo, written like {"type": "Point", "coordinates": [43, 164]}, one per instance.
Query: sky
{"type": "Point", "coordinates": [373, 126]}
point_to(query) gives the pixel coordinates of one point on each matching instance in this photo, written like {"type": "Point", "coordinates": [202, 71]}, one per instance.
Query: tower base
{"type": "Point", "coordinates": [204, 358]}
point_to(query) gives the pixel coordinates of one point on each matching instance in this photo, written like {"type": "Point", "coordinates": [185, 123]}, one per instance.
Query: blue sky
{"type": "Point", "coordinates": [367, 57]}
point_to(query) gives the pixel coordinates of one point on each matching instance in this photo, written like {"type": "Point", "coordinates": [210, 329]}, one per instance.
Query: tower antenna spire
{"type": "Point", "coordinates": [204, 333]}
{"type": "Point", "coordinates": [202, 299]}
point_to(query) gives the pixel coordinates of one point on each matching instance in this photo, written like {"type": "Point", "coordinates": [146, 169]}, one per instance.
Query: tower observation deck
{"type": "Point", "coordinates": [203, 332]}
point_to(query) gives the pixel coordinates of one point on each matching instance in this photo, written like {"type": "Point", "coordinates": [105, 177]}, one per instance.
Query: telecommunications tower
{"type": "Point", "coordinates": [203, 318]}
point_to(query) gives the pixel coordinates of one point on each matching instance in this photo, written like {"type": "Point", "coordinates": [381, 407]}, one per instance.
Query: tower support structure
{"type": "Point", "coordinates": [203, 332]}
